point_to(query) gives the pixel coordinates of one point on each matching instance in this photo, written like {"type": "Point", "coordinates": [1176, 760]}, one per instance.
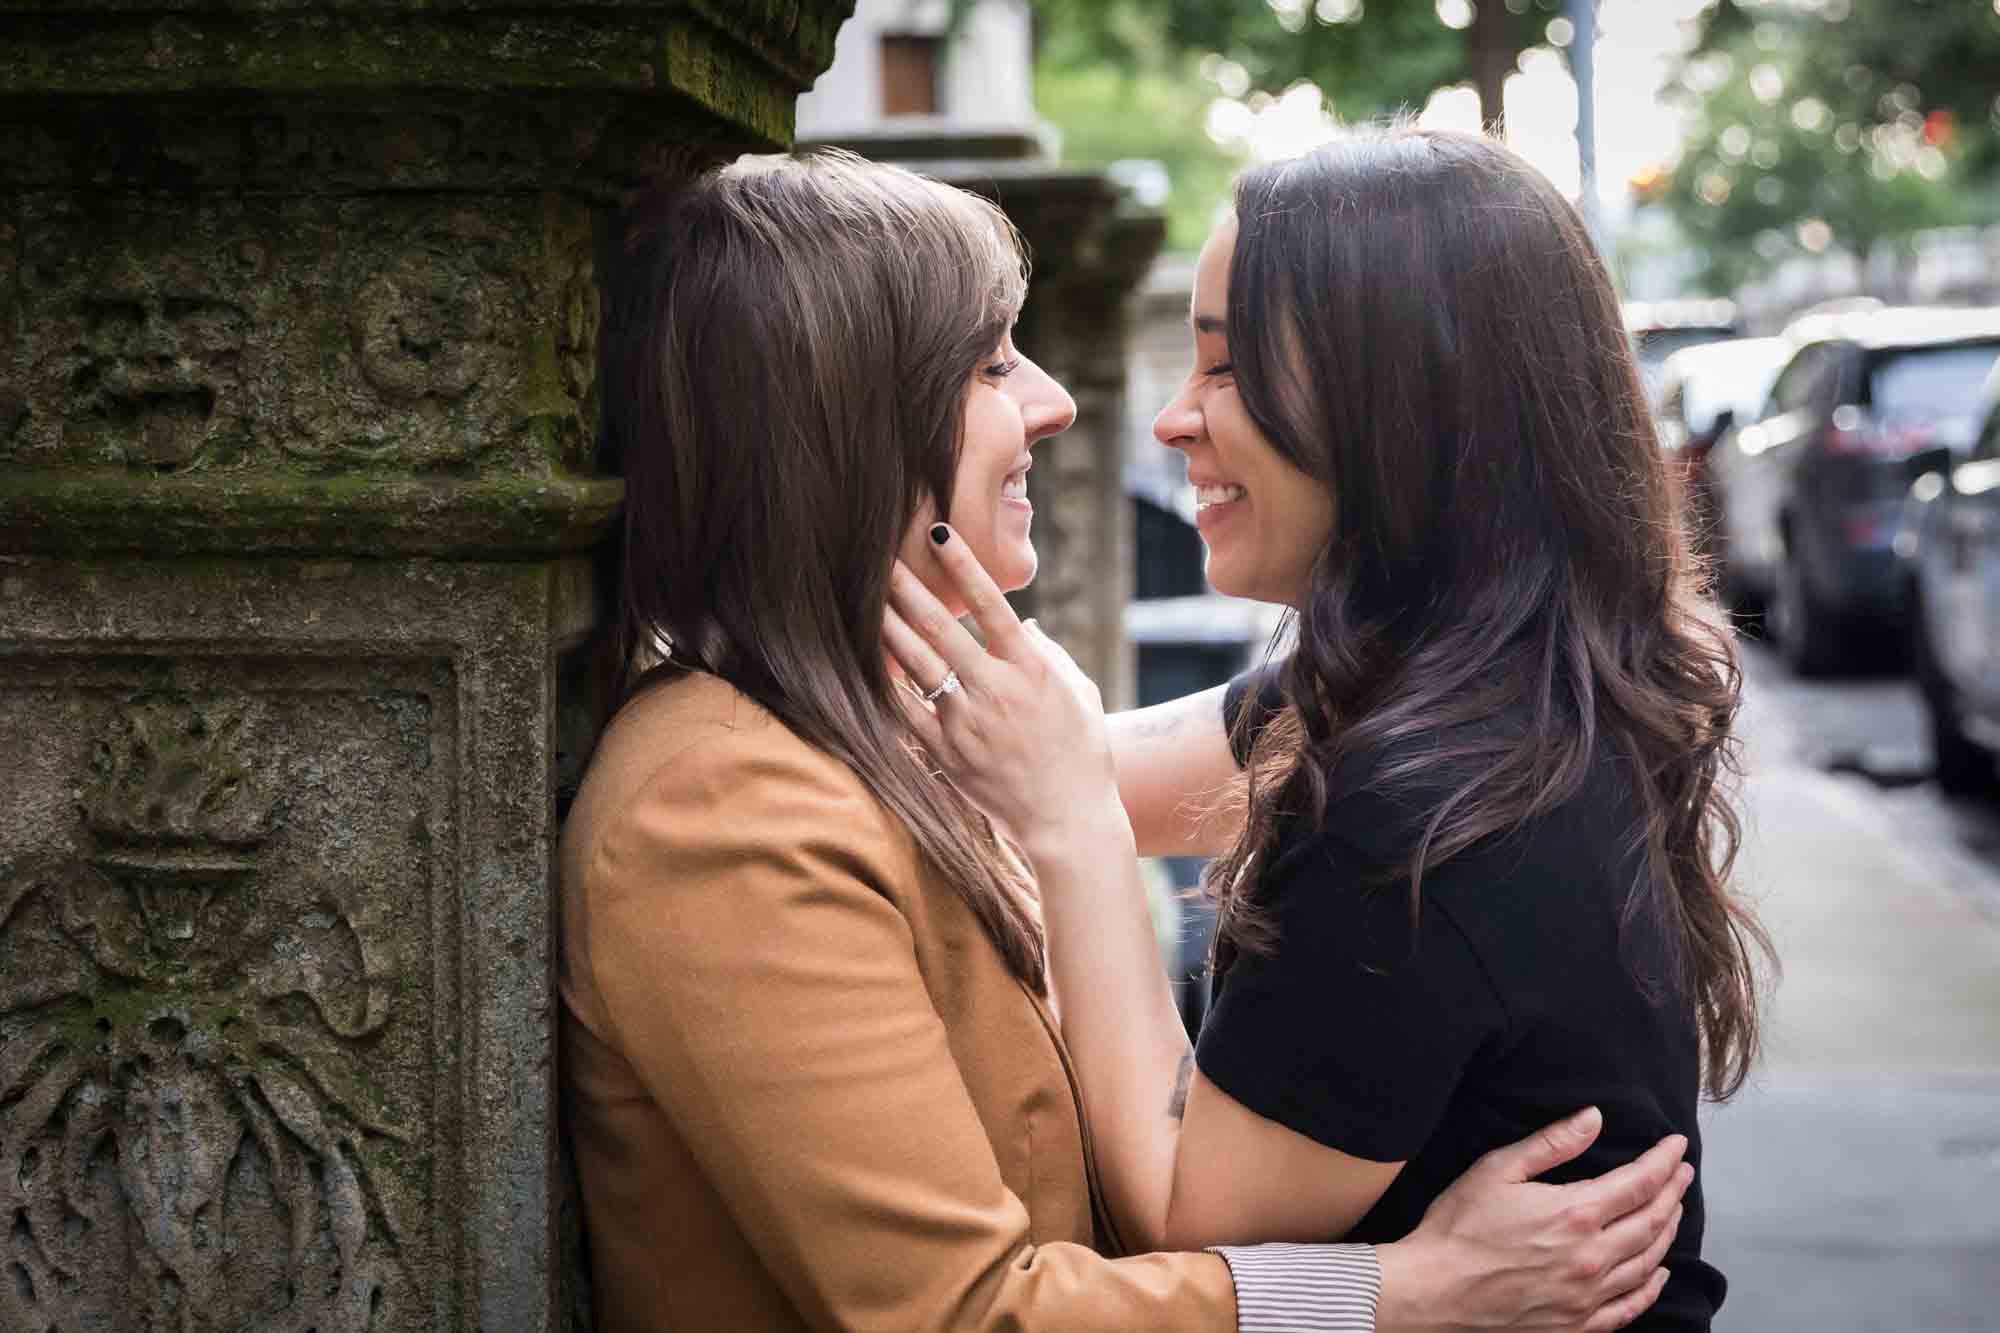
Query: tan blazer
{"type": "Point", "coordinates": [804, 1091]}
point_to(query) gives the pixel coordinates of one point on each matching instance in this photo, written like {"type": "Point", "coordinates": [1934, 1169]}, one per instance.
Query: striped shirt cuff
{"type": "Point", "coordinates": [1304, 1288]}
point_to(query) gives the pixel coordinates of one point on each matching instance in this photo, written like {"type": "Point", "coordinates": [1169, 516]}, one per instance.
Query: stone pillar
{"type": "Point", "coordinates": [1089, 254]}
{"type": "Point", "coordinates": [297, 325]}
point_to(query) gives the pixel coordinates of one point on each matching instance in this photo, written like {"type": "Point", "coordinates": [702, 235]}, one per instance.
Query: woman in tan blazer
{"type": "Point", "coordinates": [814, 1076]}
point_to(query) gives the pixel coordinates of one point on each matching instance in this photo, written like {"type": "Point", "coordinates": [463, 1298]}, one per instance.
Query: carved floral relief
{"type": "Point", "coordinates": [195, 1129]}
{"type": "Point", "coordinates": [427, 327]}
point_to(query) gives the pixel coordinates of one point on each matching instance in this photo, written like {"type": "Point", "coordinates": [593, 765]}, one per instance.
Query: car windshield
{"type": "Point", "coordinates": [1930, 384]}
{"type": "Point", "coordinates": [1654, 346]}
{"type": "Point", "coordinates": [1739, 383]}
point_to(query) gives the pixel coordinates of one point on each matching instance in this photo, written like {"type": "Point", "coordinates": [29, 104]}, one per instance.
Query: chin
{"type": "Point", "coordinates": [1219, 578]}
{"type": "Point", "coordinates": [1013, 570]}
{"type": "Point", "coordinates": [1247, 589]}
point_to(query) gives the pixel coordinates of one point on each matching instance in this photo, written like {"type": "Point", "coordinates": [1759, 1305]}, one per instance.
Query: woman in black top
{"type": "Point", "coordinates": [1474, 869]}
{"type": "Point", "coordinates": [1516, 992]}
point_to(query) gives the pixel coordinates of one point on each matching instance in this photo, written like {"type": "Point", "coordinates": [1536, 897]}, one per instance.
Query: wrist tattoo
{"type": "Point", "coordinates": [1177, 1103]}
{"type": "Point", "coordinates": [1161, 720]}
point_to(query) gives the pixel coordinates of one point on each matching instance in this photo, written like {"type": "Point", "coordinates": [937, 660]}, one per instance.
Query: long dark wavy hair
{"type": "Point", "coordinates": [1421, 323]}
{"type": "Point", "coordinates": [788, 345]}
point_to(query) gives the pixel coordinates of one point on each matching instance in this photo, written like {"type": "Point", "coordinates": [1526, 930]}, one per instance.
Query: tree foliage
{"type": "Point", "coordinates": [1125, 79]}
{"type": "Point", "coordinates": [1367, 56]}
{"type": "Point", "coordinates": [1818, 124]}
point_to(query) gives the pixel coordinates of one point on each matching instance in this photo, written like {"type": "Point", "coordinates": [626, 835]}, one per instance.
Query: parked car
{"type": "Point", "coordinates": [1809, 496]}
{"type": "Point", "coordinates": [1658, 329]}
{"type": "Point", "coordinates": [1703, 391]}
{"type": "Point", "coordinates": [1950, 545]}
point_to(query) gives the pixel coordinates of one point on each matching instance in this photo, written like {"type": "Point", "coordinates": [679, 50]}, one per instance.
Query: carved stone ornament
{"type": "Point", "coordinates": [191, 1136]}
{"type": "Point", "coordinates": [344, 333]}
{"type": "Point", "coordinates": [424, 328]}
{"type": "Point", "coordinates": [157, 363]}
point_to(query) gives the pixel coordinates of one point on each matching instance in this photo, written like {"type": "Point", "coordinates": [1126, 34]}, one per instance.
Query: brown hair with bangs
{"type": "Point", "coordinates": [788, 346]}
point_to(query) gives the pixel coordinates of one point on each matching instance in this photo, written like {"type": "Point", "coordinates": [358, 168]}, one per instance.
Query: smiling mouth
{"type": "Point", "coordinates": [1209, 497]}
{"type": "Point", "coordinates": [1015, 487]}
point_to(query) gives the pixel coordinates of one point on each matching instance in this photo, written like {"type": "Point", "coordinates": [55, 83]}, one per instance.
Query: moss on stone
{"type": "Point", "coordinates": [79, 510]}
{"type": "Point", "coordinates": [740, 71]}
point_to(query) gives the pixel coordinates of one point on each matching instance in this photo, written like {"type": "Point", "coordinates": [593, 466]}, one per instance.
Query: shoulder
{"type": "Point", "coordinates": [1384, 796]}
{"type": "Point", "coordinates": [1384, 800]}
{"type": "Point", "coordinates": [697, 774]}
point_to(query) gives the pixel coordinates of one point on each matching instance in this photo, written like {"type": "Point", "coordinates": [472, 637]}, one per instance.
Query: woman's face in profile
{"type": "Point", "coordinates": [1011, 405]}
{"type": "Point", "coordinates": [1263, 520]}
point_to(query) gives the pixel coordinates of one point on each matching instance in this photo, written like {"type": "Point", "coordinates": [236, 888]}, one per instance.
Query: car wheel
{"type": "Point", "coordinates": [1808, 637]}
{"type": "Point", "coordinates": [1963, 767]}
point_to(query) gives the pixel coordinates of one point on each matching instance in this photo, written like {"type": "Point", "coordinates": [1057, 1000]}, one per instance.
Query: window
{"type": "Point", "coordinates": [1989, 438]}
{"type": "Point", "coordinates": [1803, 380]}
{"type": "Point", "coordinates": [910, 74]}
{"type": "Point", "coordinates": [1929, 383]}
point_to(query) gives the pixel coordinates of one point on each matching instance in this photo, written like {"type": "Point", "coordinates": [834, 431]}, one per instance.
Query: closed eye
{"type": "Point", "coordinates": [1000, 370]}
{"type": "Point", "coordinates": [1220, 369]}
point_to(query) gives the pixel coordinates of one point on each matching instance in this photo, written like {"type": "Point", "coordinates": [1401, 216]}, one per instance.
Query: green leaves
{"type": "Point", "coordinates": [1835, 123]}
{"type": "Point", "coordinates": [1130, 79]}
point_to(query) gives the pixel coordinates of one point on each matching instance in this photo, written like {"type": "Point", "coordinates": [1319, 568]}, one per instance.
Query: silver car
{"type": "Point", "coordinates": [1950, 546]}
{"type": "Point", "coordinates": [1808, 496]}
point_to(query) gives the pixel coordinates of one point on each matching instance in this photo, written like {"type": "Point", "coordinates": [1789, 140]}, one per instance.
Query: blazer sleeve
{"type": "Point", "coordinates": [755, 969]}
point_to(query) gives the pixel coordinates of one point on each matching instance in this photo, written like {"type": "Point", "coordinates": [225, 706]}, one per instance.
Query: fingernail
{"type": "Point", "coordinates": [940, 533]}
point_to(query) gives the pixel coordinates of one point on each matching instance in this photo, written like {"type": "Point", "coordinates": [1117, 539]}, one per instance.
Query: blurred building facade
{"type": "Point", "coordinates": [898, 73]}
{"type": "Point", "coordinates": [1941, 266]}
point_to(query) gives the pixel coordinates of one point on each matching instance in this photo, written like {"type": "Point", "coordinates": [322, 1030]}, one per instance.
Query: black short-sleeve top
{"type": "Point", "coordinates": [1514, 999]}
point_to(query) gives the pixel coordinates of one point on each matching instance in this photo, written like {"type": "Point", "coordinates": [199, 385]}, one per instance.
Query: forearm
{"type": "Point", "coordinates": [1173, 765]}
{"type": "Point", "coordinates": [1118, 1016]}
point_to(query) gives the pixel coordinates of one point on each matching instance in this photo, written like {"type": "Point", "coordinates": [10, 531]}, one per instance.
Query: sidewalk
{"type": "Point", "coordinates": [1855, 1184]}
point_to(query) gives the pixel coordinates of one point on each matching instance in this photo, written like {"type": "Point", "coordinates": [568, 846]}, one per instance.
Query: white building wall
{"type": "Point", "coordinates": [985, 86]}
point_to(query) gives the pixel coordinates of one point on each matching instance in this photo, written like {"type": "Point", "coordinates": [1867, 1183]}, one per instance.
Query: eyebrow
{"type": "Point", "coordinates": [1210, 324]}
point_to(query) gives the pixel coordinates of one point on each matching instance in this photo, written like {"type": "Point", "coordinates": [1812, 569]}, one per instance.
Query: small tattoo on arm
{"type": "Point", "coordinates": [1157, 726]}
{"type": "Point", "coordinates": [1177, 1104]}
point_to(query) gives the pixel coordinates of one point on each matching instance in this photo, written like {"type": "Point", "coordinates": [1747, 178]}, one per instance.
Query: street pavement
{"type": "Point", "coordinates": [1854, 1185]}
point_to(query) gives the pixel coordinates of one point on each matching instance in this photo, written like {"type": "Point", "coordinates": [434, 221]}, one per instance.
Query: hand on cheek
{"type": "Point", "coordinates": [1024, 736]}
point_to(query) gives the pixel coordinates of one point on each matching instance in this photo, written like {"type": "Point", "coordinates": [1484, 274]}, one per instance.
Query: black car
{"type": "Point", "coordinates": [1809, 496]}
{"type": "Point", "coordinates": [1950, 545]}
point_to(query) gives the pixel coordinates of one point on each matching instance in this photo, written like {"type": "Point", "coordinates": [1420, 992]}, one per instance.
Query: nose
{"type": "Point", "coordinates": [1046, 408]}
{"type": "Point", "coordinates": [1179, 422]}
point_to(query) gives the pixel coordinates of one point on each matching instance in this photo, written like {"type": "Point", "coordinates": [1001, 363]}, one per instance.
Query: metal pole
{"type": "Point", "coordinates": [1583, 69]}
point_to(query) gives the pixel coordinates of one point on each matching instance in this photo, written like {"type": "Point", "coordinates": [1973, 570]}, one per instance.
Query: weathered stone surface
{"type": "Point", "coordinates": [590, 144]}
{"type": "Point", "coordinates": [247, 512]}
{"type": "Point", "coordinates": [298, 317]}
{"type": "Point", "coordinates": [744, 63]}
{"type": "Point", "coordinates": [274, 1019]}
{"type": "Point", "coordinates": [433, 331]}
{"type": "Point", "coordinates": [264, 259]}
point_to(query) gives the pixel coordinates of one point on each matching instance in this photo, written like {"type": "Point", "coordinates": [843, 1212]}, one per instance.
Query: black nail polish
{"type": "Point", "coordinates": [940, 533]}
